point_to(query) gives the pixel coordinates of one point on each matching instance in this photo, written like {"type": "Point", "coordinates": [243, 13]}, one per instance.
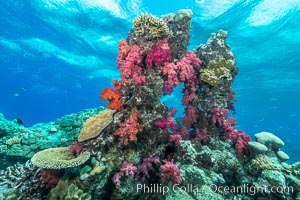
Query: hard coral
{"type": "Point", "coordinates": [94, 125]}
{"type": "Point", "coordinates": [149, 26]}
{"type": "Point", "coordinates": [215, 71]}
{"type": "Point", "coordinates": [58, 158]}
{"type": "Point", "coordinates": [129, 129]}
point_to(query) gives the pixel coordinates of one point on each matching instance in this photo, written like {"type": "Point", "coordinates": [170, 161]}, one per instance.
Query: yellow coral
{"type": "Point", "coordinates": [95, 125]}
{"type": "Point", "coordinates": [148, 24]}
{"type": "Point", "coordinates": [74, 193]}
{"type": "Point", "coordinates": [68, 191]}
{"type": "Point", "coordinates": [58, 158]}
{"type": "Point", "coordinates": [262, 162]}
{"type": "Point", "coordinates": [215, 71]}
{"type": "Point", "coordinates": [13, 140]}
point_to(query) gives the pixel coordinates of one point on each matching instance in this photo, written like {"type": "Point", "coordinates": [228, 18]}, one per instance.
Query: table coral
{"type": "Point", "coordinates": [58, 158]}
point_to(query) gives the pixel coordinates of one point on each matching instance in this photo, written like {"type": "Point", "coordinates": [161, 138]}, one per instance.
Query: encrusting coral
{"type": "Point", "coordinates": [13, 140]}
{"type": "Point", "coordinates": [95, 125]}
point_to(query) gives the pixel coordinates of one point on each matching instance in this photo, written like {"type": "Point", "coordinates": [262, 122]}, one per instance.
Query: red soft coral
{"type": "Point", "coordinates": [129, 129]}
{"type": "Point", "coordinates": [113, 96]}
{"type": "Point", "coordinates": [76, 148]}
{"type": "Point", "coordinates": [170, 171]}
{"type": "Point", "coordinates": [50, 177]}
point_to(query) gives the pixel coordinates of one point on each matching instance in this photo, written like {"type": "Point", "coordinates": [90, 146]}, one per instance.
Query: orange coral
{"type": "Point", "coordinates": [113, 96]}
{"type": "Point", "coordinates": [129, 129]}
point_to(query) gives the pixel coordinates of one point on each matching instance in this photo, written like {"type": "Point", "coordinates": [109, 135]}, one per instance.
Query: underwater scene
{"type": "Point", "coordinates": [142, 100]}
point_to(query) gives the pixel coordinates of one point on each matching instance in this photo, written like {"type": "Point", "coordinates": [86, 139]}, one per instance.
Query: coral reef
{"type": "Point", "coordinates": [61, 132]}
{"type": "Point", "coordinates": [136, 149]}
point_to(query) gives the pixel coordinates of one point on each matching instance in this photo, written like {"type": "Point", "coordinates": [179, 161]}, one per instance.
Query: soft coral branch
{"type": "Point", "coordinates": [129, 129]}
{"type": "Point", "coordinates": [114, 98]}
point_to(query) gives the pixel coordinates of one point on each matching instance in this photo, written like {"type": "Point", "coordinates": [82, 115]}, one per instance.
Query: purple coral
{"type": "Point", "coordinates": [146, 166]}
{"type": "Point", "coordinates": [127, 169]}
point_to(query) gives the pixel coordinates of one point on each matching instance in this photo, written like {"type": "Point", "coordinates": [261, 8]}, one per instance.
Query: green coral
{"type": "Point", "coordinates": [215, 71]}
{"type": "Point", "coordinates": [149, 25]}
{"type": "Point", "coordinates": [74, 193]}
{"type": "Point", "coordinates": [65, 190]}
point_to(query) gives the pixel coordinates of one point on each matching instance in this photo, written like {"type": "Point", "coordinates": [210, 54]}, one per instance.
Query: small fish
{"type": "Point", "coordinates": [19, 121]}
{"type": "Point", "coordinates": [24, 89]}
{"type": "Point", "coordinates": [16, 94]}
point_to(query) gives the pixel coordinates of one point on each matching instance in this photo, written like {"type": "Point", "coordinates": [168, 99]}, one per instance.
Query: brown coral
{"type": "Point", "coordinates": [148, 25]}
{"type": "Point", "coordinates": [95, 125]}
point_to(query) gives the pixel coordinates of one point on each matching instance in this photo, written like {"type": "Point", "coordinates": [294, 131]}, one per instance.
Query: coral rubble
{"type": "Point", "coordinates": [136, 149]}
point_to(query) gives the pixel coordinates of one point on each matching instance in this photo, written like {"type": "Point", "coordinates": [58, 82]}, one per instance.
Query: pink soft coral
{"type": "Point", "coordinates": [170, 171]}
{"type": "Point", "coordinates": [190, 115]}
{"type": "Point", "coordinates": [241, 146]}
{"type": "Point", "coordinates": [129, 129]}
{"type": "Point", "coordinates": [175, 138]}
{"type": "Point", "coordinates": [182, 71]}
{"type": "Point", "coordinates": [202, 136]}
{"type": "Point", "coordinates": [169, 122]}
{"type": "Point", "coordinates": [185, 66]}
{"type": "Point", "coordinates": [76, 148]}
{"type": "Point", "coordinates": [159, 54]}
{"type": "Point", "coordinates": [146, 166]}
{"type": "Point", "coordinates": [127, 169]}
{"type": "Point", "coordinates": [218, 115]}
{"type": "Point", "coordinates": [130, 63]}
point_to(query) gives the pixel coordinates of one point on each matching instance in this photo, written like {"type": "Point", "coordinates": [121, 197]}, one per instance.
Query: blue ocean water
{"type": "Point", "coordinates": [57, 55]}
